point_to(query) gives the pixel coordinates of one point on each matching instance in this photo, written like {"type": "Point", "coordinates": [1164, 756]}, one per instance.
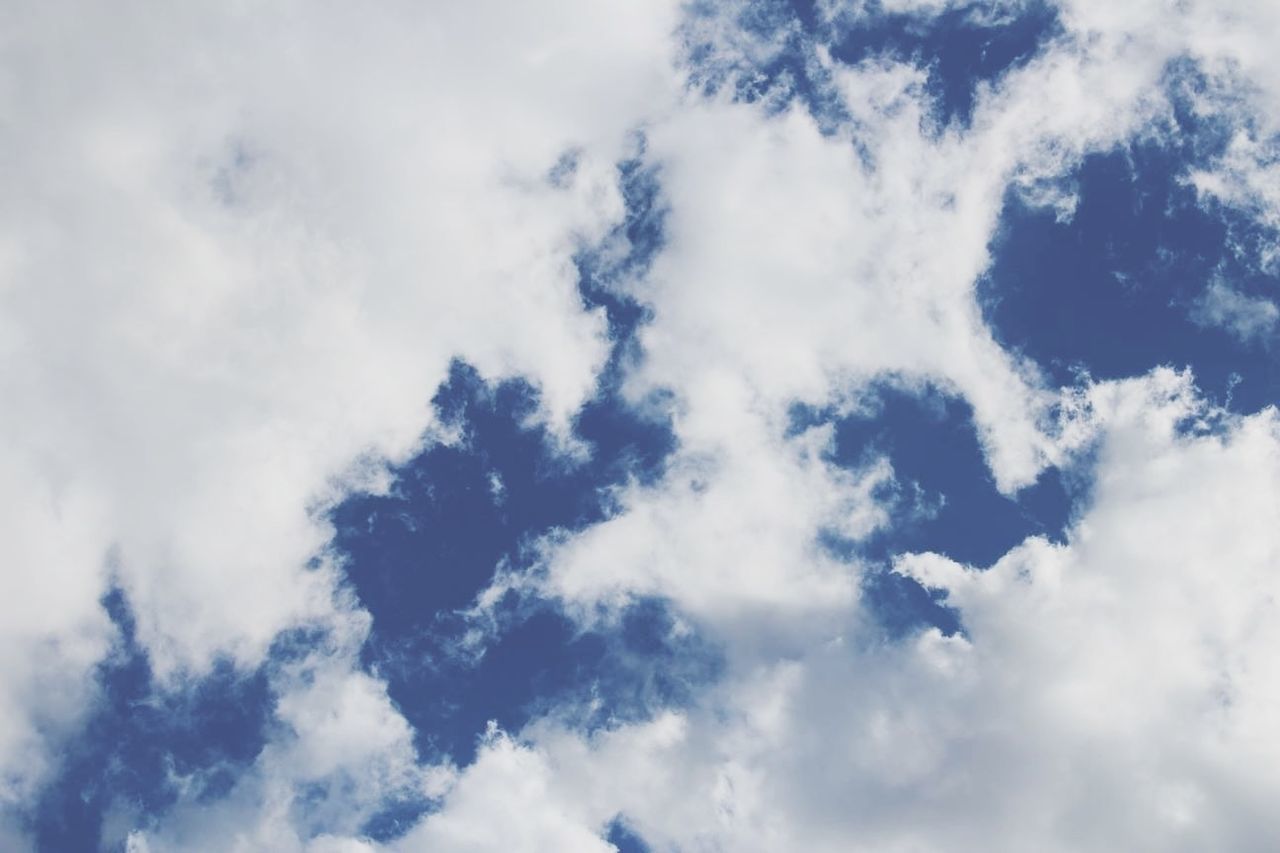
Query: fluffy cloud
{"type": "Point", "coordinates": [534, 812]}
{"type": "Point", "coordinates": [238, 250]}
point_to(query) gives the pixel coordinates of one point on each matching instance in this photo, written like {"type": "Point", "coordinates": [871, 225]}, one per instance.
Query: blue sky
{"type": "Point", "coordinates": [664, 426]}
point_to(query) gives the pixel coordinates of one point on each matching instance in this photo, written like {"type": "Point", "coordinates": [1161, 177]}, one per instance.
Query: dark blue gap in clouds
{"type": "Point", "coordinates": [960, 48]}
{"type": "Point", "coordinates": [540, 664]}
{"type": "Point", "coordinates": [456, 512]}
{"type": "Point", "coordinates": [1113, 290]}
{"type": "Point", "coordinates": [417, 556]}
{"type": "Point", "coordinates": [792, 70]}
{"type": "Point", "coordinates": [944, 498]}
{"type": "Point", "coordinates": [624, 838]}
{"type": "Point", "coordinates": [137, 737]}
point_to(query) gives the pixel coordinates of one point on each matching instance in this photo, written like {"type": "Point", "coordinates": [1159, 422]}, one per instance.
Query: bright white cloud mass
{"type": "Point", "coordinates": [640, 425]}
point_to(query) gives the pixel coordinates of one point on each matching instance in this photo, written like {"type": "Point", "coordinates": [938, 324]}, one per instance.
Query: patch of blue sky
{"type": "Point", "coordinates": [395, 818]}
{"type": "Point", "coordinates": [418, 556]}
{"type": "Point", "coordinates": [762, 51]}
{"type": "Point", "coordinates": [960, 48]}
{"type": "Point", "coordinates": [142, 743]}
{"type": "Point", "coordinates": [624, 838]}
{"type": "Point", "coordinates": [1120, 286]}
{"type": "Point", "coordinates": [943, 497]}
{"type": "Point", "coordinates": [603, 271]}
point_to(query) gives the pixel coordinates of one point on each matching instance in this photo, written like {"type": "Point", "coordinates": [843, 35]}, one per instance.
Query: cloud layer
{"type": "Point", "coordinates": [241, 249]}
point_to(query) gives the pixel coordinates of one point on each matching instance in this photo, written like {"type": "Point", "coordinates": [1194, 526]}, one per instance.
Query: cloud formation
{"type": "Point", "coordinates": [239, 250]}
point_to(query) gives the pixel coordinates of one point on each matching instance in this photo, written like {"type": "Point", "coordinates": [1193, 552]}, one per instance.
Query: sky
{"type": "Point", "coordinates": [640, 425]}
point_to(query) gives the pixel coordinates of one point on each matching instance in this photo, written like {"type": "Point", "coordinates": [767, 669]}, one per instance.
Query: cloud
{"type": "Point", "coordinates": [1246, 317]}
{"type": "Point", "coordinates": [531, 818]}
{"type": "Point", "coordinates": [238, 254]}
{"type": "Point", "coordinates": [803, 265]}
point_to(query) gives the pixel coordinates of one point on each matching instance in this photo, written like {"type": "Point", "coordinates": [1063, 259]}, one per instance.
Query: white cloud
{"type": "Point", "coordinates": [1246, 317]}
{"type": "Point", "coordinates": [526, 814]}
{"type": "Point", "coordinates": [747, 517]}
{"type": "Point", "coordinates": [52, 633]}
{"type": "Point", "coordinates": [238, 248]}
{"type": "Point", "coordinates": [233, 278]}
{"type": "Point", "coordinates": [1246, 178]}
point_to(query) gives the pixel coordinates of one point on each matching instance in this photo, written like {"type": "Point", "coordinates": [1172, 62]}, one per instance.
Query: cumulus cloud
{"type": "Point", "coordinates": [533, 813]}
{"type": "Point", "coordinates": [238, 251]}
